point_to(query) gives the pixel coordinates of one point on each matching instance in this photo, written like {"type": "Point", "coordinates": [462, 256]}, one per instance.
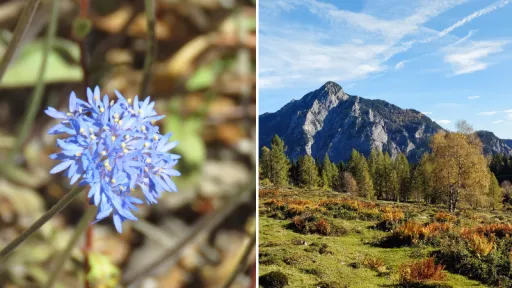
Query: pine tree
{"type": "Point", "coordinates": [365, 184]}
{"type": "Point", "coordinates": [394, 184]}
{"type": "Point", "coordinates": [265, 163]}
{"type": "Point", "coordinates": [354, 164]}
{"type": "Point", "coordinates": [373, 160]}
{"type": "Point", "coordinates": [359, 169]}
{"type": "Point", "coordinates": [280, 163]}
{"type": "Point", "coordinates": [294, 173]}
{"type": "Point", "coordinates": [349, 183]}
{"type": "Point", "coordinates": [308, 172]}
{"type": "Point", "coordinates": [495, 193]}
{"type": "Point", "coordinates": [379, 175]}
{"type": "Point", "coordinates": [326, 172]}
{"type": "Point", "coordinates": [425, 172]}
{"type": "Point", "coordinates": [330, 173]}
{"type": "Point", "coordinates": [385, 175]}
{"type": "Point", "coordinates": [403, 171]}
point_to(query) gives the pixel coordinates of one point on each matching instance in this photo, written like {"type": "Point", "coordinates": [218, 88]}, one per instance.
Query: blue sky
{"type": "Point", "coordinates": [451, 59]}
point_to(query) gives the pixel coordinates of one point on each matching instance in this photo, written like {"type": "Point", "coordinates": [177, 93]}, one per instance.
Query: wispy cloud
{"type": "Point", "coordinates": [474, 15]}
{"type": "Point", "coordinates": [497, 121]}
{"type": "Point", "coordinates": [444, 122]}
{"type": "Point", "coordinates": [509, 116]}
{"type": "Point", "coordinates": [473, 56]}
{"type": "Point", "coordinates": [508, 111]}
{"type": "Point", "coordinates": [426, 113]}
{"type": "Point", "coordinates": [473, 97]}
{"type": "Point", "coordinates": [345, 46]}
{"type": "Point", "coordinates": [489, 113]}
{"type": "Point", "coordinates": [348, 46]}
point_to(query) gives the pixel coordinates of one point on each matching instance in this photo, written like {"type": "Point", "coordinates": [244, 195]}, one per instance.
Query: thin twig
{"type": "Point", "coordinates": [84, 61]}
{"type": "Point", "coordinates": [23, 23]}
{"type": "Point", "coordinates": [242, 263]}
{"type": "Point", "coordinates": [244, 68]}
{"type": "Point", "coordinates": [38, 93]}
{"type": "Point", "coordinates": [88, 247]}
{"type": "Point", "coordinates": [150, 52]}
{"type": "Point", "coordinates": [64, 255]}
{"type": "Point", "coordinates": [205, 225]}
{"type": "Point", "coordinates": [63, 202]}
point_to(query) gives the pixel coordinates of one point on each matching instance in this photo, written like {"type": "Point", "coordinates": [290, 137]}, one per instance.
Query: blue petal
{"type": "Point", "coordinates": [55, 114]}
{"type": "Point", "coordinates": [118, 223]}
{"type": "Point", "coordinates": [72, 102]}
{"type": "Point", "coordinates": [97, 197]}
{"type": "Point", "coordinates": [90, 96]}
{"type": "Point", "coordinates": [62, 166]}
{"type": "Point", "coordinates": [74, 178]}
{"type": "Point", "coordinates": [95, 188]}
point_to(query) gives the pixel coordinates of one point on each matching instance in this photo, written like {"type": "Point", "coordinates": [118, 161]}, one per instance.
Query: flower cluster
{"type": "Point", "coordinates": [114, 147]}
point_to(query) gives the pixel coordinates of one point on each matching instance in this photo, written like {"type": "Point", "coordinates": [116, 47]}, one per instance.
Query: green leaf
{"type": "Point", "coordinates": [204, 76]}
{"type": "Point", "coordinates": [24, 70]}
{"type": "Point", "coordinates": [103, 273]}
{"type": "Point", "coordinates": [187, 132]}
{"type": "Point", "coordinates": [81, 27]}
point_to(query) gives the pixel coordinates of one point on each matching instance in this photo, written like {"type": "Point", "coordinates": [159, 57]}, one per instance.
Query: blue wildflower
{"type": "Point", "coordinates": [114, 147]}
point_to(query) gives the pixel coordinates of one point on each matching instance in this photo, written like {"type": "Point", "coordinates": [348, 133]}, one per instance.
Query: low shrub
{"type": "Point", "coordinates": [369, 214]}
{"type": "Point", "coordinates": [323, 227]}
{"type": "Point", "coordinates": [265, 183]}
{"type": "Point", "coordinates": [444, 217]}
{"type": "Point", "coordinates": [412, 233]}
{"type": "Point", "coordinates": [266, 258]}
{"type": "Point", "coordinates": [373, 263]}
{"type": "Point", "coordinates": [274, 279]}
{"type": "Point", "coordinates": [345, 214]}
{"type": "Point", "coordinates": [420, 271]}
{"type": "Point", "coordinates": [409, 233]}
{"type": "Point", "coordinates": [495, 268]}
{"type": "Point", "coordinates": [309, 223]}
{"type": "Point", "coordinates": [477, 242]}
{"type": "Point", "coordinates": [499, 230]}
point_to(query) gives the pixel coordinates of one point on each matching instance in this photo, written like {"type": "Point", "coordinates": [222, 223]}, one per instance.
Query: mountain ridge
{"type": "Point", "coordinates": [328, 120]}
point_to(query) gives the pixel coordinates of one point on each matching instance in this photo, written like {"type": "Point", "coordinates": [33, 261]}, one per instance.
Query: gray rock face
{"type": "Point", "coordinates": [494, 145]}
{"type": "Point", "coordinates": [328, 120]}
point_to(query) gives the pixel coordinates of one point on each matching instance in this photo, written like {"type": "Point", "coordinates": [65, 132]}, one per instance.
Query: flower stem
{"type": "Point", "coordinates": [38, 93]}
{"type": "Point", "coordinates": [84, 57]}
{"type": "Point", "coordinates": [87, 249]}
{"type": "Point", "coordinates": [23, 23]}
{"type": "Point", "coordinates": [79, 230]}
{"type": "Point", "coordinates": [63, 202]}
{"type": "Point", "coordinates": [146, 72]}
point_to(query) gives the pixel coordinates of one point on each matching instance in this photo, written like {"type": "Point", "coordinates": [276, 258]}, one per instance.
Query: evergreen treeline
{"type": "Point", "coordinates": [454, 173]}
{"type": "Point", "coordinates": [501, 166]}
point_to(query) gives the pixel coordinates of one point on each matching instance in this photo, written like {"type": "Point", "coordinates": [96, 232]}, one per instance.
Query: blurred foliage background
{"type": "Point", "coordinates": [202, 78]}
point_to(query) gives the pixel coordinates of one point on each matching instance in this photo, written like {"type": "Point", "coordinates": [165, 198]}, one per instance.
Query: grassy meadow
{"type": "Point", "coordinates": [327, 239]}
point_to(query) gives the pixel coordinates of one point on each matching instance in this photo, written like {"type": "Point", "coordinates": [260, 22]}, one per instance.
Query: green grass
{"type": "Point", "coordinates": [306, 267]}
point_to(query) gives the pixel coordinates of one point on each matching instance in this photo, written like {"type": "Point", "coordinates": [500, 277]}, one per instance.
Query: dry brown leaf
{"type": "Point", "coordinates": [139, 28]}
{"type": "Point", "coordinates": [221, 107]}
{"type": "Point", "coordinates": [182, 61]}
{"type": "Point", "coordinates": [230, 133]}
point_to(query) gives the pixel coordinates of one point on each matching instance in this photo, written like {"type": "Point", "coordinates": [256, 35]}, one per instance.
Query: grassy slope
{"type": "Point", "coordinates": [276, 245]}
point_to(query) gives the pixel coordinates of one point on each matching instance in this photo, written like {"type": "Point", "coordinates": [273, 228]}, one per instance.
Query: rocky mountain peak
{"type": "Point", "coordinates": [329, 121]}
